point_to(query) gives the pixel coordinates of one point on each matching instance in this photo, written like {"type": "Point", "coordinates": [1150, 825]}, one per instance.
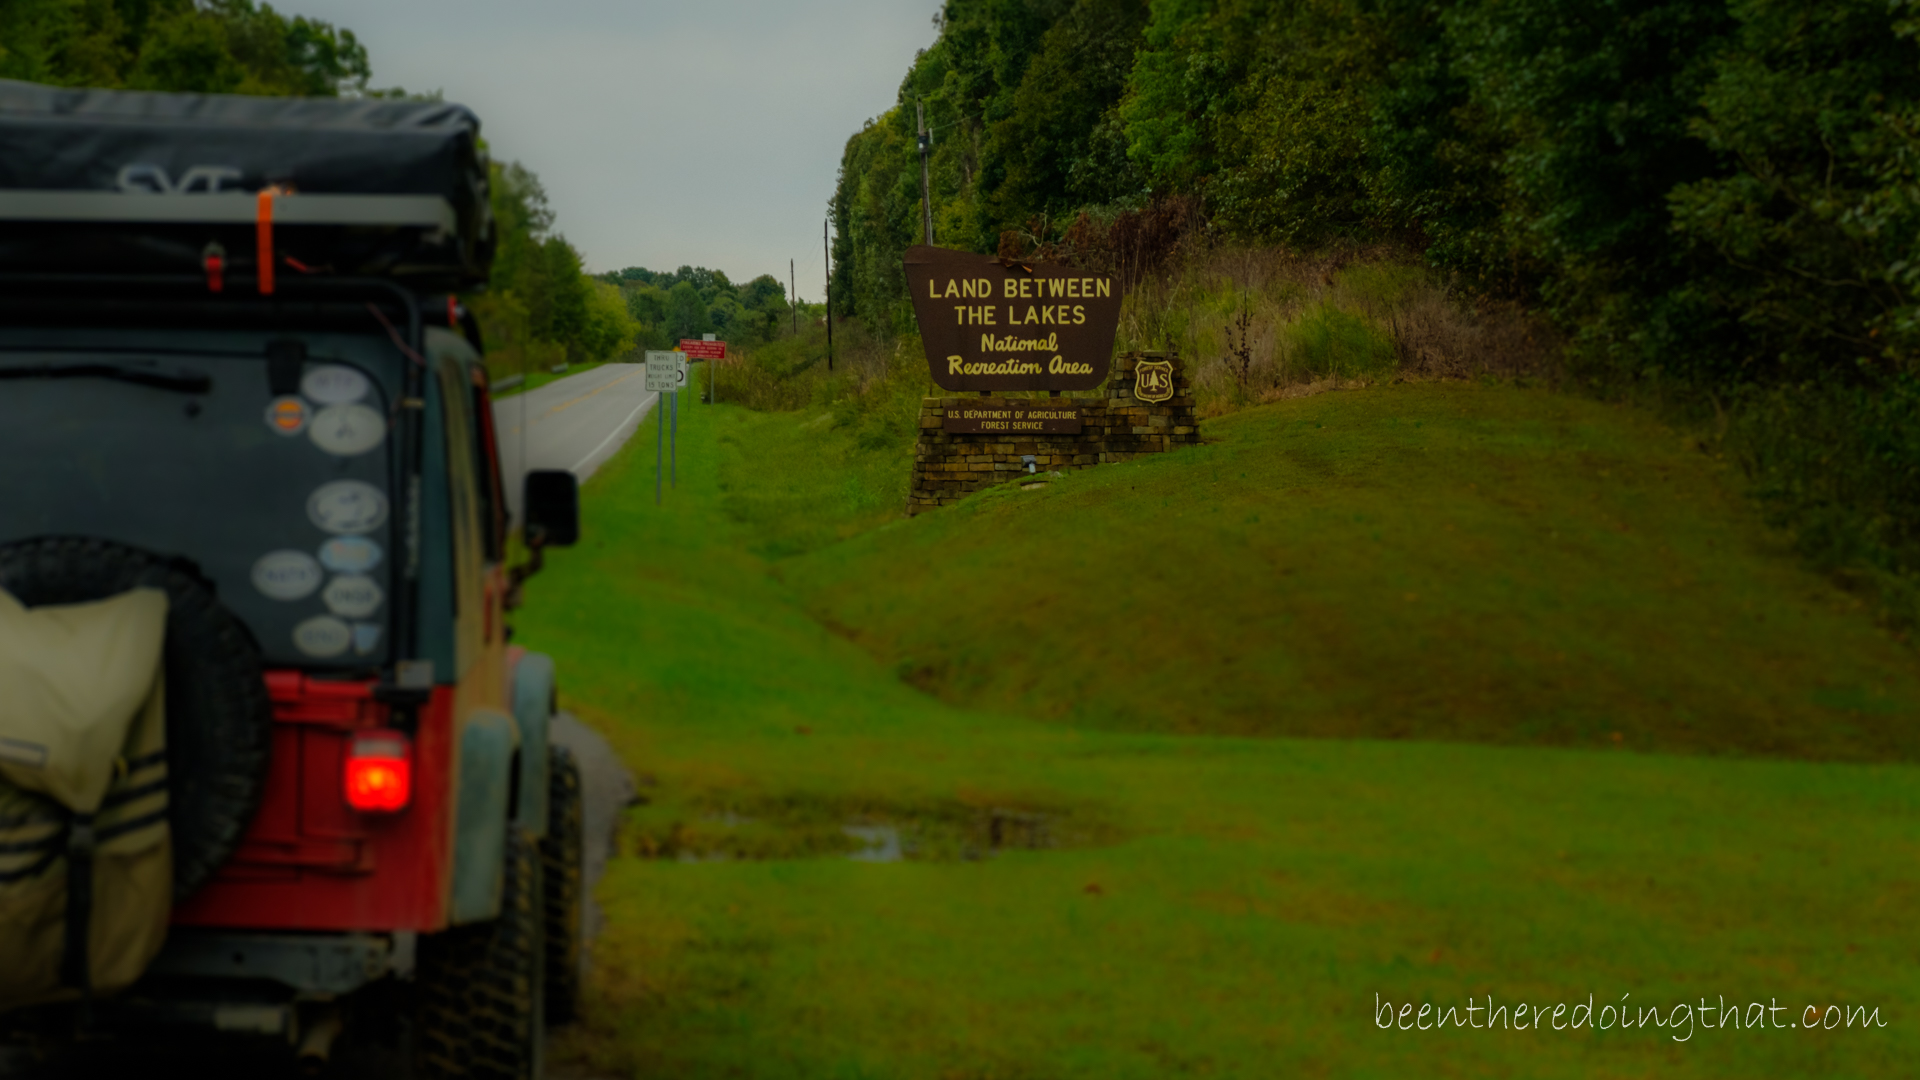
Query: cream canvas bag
{"type": "Point", "coordinates": [86, 866]}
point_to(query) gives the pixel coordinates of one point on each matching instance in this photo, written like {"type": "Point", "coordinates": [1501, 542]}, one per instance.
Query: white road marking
{"type": "Point", "coordinates": [585, 466]}
{"type": "Point", "coordinates": [550, 433]}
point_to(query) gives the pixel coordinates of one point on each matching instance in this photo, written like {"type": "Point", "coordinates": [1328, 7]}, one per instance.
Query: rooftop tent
{"type": "Point", "coordinates": [120, 182]}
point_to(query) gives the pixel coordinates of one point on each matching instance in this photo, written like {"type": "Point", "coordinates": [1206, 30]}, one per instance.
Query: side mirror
{"type": "Point", "coordinates": [552, 506]}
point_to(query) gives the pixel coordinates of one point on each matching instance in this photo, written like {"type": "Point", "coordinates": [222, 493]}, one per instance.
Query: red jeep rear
{"type": "Point", "coordinates": [259, 394]}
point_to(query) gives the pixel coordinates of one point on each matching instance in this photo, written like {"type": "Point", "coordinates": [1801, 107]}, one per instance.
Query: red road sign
{"type": "Point", "coordinates": [703, 350]}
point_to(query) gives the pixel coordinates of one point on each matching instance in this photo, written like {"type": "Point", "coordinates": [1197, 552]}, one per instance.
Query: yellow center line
{"type": "Point", "coordinates": [570, 403]}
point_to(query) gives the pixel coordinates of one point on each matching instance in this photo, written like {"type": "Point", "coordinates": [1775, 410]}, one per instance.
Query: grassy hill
{"type": "Point", "coordinates": [1441, 560]}
{"type": "Point", "coordinates": [1105, 876]}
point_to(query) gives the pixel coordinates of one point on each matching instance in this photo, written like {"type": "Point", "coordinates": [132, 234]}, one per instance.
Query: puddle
{"type": "Point", "coordinates": [801, 828]}
{"type": "Point", "coordinates": [1018, 829]}
{"type": "Point", "coordinates": [879, 843]}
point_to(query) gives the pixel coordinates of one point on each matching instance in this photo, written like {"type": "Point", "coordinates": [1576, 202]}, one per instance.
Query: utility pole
{"type": "Point", "coordinates": [826, 259]}
{"type": "Point", "coordinates": [926, 195]}
{"type": "Point", "coordinates": [794, 292]}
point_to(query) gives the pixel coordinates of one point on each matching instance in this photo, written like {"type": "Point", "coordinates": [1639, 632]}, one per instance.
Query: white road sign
{"type": "Point", "coordinates": [665, 371]}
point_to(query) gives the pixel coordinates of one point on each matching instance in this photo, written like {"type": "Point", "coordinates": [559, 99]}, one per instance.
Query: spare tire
{"type": "Point", "coordinates": [219, 718]}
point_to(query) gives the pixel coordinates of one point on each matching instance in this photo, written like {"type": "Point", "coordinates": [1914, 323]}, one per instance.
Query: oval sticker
{"type": "Point", "coordinates": [286, 575]}
{"type": "Point", "coordinates": [346, 430]}
{"type": "Point", "coordinates": [287, 415]}
{"type": "Point", "coordinates": [354, 595]}
{"type": "Point", "coordinates": [350, 554]}
{"type": "Point", "coordinates": [334, 384]}
{"type": "Point", "coordinates": [322, 636]}
{"type": "Point", "coordinates": [347, 506]}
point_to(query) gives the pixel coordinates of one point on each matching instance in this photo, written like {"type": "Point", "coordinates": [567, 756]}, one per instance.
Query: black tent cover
{"type": "Point", "coordinates": [54, 139]}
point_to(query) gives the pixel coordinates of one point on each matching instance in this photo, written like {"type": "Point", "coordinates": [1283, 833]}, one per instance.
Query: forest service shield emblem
{"type": "Point", "coordinates": [1153, 380]}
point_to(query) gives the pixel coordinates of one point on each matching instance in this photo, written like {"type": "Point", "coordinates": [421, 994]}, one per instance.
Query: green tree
{"type": "Point", "coordinates": [298, 56]}
{"type": "Point", "coordinates": [686, 314]}
{"type": "Point", "coordinates": [188, 52]}
{"type": "Point", "coordinates": [540, 306]}
{"type": "Point", "coordinates": [1812, 228]}
{"type": "Point", "coordinates": [65, 43]}
{"type": "Point", "coordinates": [213, 46]}
{"type": "Point", "coordinates": [1061, 142]}
{"type": "Point", "coordinates": [745, 314]}
{"type": "Point", "coordinates": [607, 327]}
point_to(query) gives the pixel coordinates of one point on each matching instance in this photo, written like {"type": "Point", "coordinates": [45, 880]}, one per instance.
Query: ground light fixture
{"type": "Point", "coordinates": [379, 776]}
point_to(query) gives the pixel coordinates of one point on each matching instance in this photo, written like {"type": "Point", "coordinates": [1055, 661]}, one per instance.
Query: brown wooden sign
{"type": "Point", "coordinates": [1039, 416]}
{"type": "Point", "coordinates": [989, 326]}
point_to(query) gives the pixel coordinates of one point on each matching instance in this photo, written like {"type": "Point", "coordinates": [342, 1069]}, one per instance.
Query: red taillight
{"type": "Point", "coordinates": [379, 772]}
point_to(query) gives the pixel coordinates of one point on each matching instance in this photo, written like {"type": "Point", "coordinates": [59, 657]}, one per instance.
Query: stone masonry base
{"type": "Point", "coordinates": [948, 466]}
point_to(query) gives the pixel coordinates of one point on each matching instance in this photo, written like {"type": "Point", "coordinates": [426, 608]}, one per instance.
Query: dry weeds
{"type": "Point", "coordinates": [1268, 323]}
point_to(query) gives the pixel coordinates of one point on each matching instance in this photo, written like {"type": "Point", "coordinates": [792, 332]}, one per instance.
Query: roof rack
{"type": "Point", "coordinates": [228, 208]}
{"type": "Point", "coordinates": [104, 182]}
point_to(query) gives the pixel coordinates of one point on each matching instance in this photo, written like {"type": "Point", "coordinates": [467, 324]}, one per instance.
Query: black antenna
{"type": "Point", "coordinates": [826, 257]}
{"type": "Point", "coordinates": [926, 198]}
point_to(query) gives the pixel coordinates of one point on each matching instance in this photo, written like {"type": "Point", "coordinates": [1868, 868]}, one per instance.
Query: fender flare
{"type": "Point", "coordinates": [532, 697]}
{"type": "Point", "coordinates": [488, 740]}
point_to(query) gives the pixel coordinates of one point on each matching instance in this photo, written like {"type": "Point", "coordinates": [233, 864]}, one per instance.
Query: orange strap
{"type": "Point", "coordinates": [263, 233]}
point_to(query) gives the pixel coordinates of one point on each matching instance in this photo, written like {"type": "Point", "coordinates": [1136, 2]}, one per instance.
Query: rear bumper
{"type": "Point", "coordinates": [311, 965]}
{"type": "Point", "coordinates": [276, 988]}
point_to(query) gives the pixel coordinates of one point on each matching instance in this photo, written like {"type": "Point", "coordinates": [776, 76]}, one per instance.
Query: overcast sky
{"type": "Point", "coordinates": [702, 132]}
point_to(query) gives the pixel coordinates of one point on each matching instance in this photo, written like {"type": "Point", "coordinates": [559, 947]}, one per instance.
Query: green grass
{"type": "Point", "coordinates": [1216, 904]}
{"type": "Point", "coordinates": [1432, 561]}
{"type": "Point", "coordinates": [797, 484]}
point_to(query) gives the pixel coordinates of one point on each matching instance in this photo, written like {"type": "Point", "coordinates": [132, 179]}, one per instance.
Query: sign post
{"type": "Point", "coordinates": [663, 377]}
{"type": "Point", "coordinates": [711, 372]}
{"type": "Point", "coordinates": [673, 443]}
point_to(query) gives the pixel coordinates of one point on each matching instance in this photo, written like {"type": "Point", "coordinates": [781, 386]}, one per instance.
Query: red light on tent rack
{"type": "Point", "coordinates": [379, 772]}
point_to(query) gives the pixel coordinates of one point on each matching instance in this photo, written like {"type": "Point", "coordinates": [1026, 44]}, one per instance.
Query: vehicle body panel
{"type": "Point", "coordinates": [310, 863]}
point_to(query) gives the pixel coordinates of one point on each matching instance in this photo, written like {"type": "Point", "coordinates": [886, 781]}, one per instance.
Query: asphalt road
{"type": "Point", "coordinates": [575, 423]}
